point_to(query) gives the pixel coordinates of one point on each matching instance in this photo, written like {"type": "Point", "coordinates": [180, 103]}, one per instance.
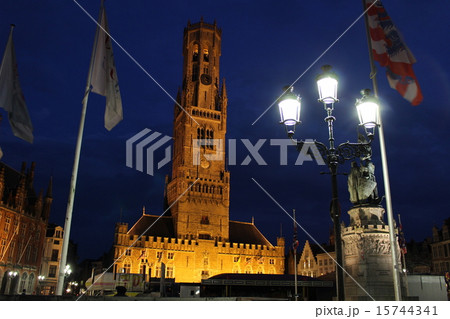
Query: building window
{"type": "Point", "coordinates": [320, 262]}
{"type": "Point", "coordinates": [159, 254]}
{"type": "Point", "coordinates": [7, 224]}
{"type": "Point", "coordinates": [169, 255]}
{"type": "Point", "coordinates": [195, 53]}
{"type": "Point", "coordinates": [126, 268]}
{"type": "Point", "coordinates": [56, 242]}
{"type": "Point", "coordinates": [128, 252]}
{"type": "Point", "coordinates": [30, 282]}
{"type": "Point", "coordinates": [204, 220]}
{"type": "Point", "coordinates": [272, 261]}
{"type": "Point", "coordinates": [23, 282]}
{"type": "Point", "coordinates": [11, 249]}
{"type": "Point", "coordinates": [235, 259]}
{"type": "Point", "coordinates": [205, 55]}
{"type": "Point", "coordinates": [169, 272]}
{"type": "Point", "coordinates": [3, 247]}
{"type": "Point", "coordinates": [204, 236]}
{"type": "Point", "coordinates": [195, 72]}
{"type": "Point", "coordinates": [158, 271]}
{"type": "Point", "coordinates": [55, 253]}
{"type": "Point", "coordinates": [52, 271]}
{"type": "Point", "coordinates": [325, 262]}
{"type": "Point", "coordinates": [205, 273]}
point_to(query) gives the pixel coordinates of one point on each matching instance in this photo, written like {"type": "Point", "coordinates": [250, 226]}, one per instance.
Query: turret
{"type": "Point", "coordinates": [47, 200]}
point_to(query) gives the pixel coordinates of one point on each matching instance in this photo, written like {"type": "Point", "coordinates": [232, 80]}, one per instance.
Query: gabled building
{"type": "Point", "coordinates": [440, 249]}
{"type": "Point", "coordinates": [51, 258]}
{"type": "Point", "coordinates": [23, 222]}
{"type": "Point", "coordinates": [313, 261]}
{"type": "Point", "coordinates": [196, 239]}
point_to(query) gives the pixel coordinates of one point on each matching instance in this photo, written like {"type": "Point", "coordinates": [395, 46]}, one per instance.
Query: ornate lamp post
{"type": "Point", "coordinates": [290, 106]}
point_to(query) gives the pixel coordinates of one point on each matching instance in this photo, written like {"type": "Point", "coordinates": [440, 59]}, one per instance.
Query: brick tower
{"type": "Point", "coordinates": [199, 136]}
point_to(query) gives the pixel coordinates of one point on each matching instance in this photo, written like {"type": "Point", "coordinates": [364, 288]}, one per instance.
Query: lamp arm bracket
{"type": "Point", "coordinates": [348, 151]}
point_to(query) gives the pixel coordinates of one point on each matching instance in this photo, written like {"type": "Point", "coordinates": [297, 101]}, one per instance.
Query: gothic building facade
{"type": "Point", "coordinates": [23, 222]}
{"type": "Point", "coordinates": [196, 239]}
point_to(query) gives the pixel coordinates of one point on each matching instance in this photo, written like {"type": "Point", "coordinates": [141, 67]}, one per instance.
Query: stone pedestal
{"type": "Point", "coordinates": [367, 256]}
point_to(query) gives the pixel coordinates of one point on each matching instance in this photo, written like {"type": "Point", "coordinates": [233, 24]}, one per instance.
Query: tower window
{"type": "Point", "coordinates": [195, 53]}
{"type": "Point", "coordinates": [204, 220]}
{"type": "Point", "coordinates": [195, 72]}
{"type": "Point", "coordinates": [205, 55]}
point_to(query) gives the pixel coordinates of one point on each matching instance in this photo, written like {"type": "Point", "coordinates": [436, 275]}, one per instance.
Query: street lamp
{"type": "Point", "coordinates": [290, 107]}
{"type": "Point", "coordinates": [367, 108]}
{"type": "Point", "coordinates": [41, 278]}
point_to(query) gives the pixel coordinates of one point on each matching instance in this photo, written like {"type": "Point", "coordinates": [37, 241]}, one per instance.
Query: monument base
{"type": "Point", "coordinates": [367, 256]}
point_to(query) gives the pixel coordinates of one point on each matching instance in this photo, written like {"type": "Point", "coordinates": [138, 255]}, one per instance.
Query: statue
{"type": "Point", "coordinates": [362, 185]}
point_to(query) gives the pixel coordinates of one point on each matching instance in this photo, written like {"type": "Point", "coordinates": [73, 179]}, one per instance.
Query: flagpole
{"type": "Point", "coordinates": [404, 270]}
{"type": "Point", "coordinates": [295, 258]}
{"type": "Point", "coordinates": [387, 188]}
{"type": "Point", "coordinates": [73, 180]}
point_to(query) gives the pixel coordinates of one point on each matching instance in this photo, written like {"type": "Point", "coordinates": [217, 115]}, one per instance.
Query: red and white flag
{"type": "Point", "coordinates": [11, 96]}
{"type": "Point", "coordinates": [390, 51]}
{"type": "Point", "coordinates": [104, 79]}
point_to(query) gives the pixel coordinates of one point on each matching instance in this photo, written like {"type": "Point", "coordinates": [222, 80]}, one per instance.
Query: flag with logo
{"type": "Point", "coordinates": [390, 51]}
{"type": "Point", "coordinates": [104, 79]}
{"type": "Point", "coordinates": [11, 96]}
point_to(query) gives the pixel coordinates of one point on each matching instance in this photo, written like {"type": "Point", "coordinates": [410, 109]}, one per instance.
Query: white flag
{"type": "Point", "coordinates": [104, 79]}
{"type": "Point", "coordinates": [11, 96]}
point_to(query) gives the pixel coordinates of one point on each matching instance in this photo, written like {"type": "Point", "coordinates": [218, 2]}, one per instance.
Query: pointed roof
{"type": "Point", "coordinates": [223, 91]}
{"type": "Point", "coordinates": [151, 225]}
{"type": "Point", "coordinates": [162, 226]}
{"type": "Point", "coordinates": [50, 188]}
{"type": "Point", "coordinates": [246, 233]}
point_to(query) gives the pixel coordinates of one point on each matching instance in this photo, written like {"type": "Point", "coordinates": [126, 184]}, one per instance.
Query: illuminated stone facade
{"type": "Point", "coordinates": [50, 260]}
{"type": "Point", "coordinates": [23, 222]}
{"type": "Point", "coordinates": [367, 256]}
{"type": "Point", "coordinates": [440, 249]}
{"type": "Point", "coordinates": [313, 261]}
{"type": "Point", "coordinates": [197, 240]}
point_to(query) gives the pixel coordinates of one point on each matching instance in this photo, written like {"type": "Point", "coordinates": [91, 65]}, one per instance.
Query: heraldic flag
{"type": "Point", "coordinates": [390, 51]}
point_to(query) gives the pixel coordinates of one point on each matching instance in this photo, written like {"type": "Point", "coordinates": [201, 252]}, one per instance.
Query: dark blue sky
{"type": "Point", "coordinates": [265, 45]}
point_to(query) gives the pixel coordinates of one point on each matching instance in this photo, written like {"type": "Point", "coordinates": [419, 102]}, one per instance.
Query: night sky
{"type": "Point", "coordinates": [265, 46]}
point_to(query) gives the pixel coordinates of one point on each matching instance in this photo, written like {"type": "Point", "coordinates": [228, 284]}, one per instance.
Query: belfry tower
{"type": "Point", "coordinates": [199, 141]}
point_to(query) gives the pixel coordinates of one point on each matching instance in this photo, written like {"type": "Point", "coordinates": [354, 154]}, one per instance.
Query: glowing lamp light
{"type": "Point", "coordinates": [290, 106]}
{"type": "Point", "coordinates": [367, 108]}
{"type": "Point", "coordinates": [327, 84]}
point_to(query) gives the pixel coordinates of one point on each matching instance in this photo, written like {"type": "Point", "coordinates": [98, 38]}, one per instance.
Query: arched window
{"type": "Point", "coordinates": [23, 282]}
{"type": "Point", "coordinates": [205, 55]}
{"type": "Point", "coordinates": [195, 72]}
{"type": "Point", "coordinates": [195, 53]}
{"type": "Point", "coordinates": [30, 287]}
{"type": "Point", "coordinates": [205, 189]}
